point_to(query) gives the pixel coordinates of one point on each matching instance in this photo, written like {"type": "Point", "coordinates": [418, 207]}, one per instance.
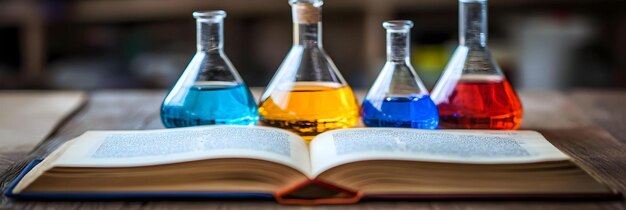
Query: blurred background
{"type": "Point", "coordinates": [112, 44]}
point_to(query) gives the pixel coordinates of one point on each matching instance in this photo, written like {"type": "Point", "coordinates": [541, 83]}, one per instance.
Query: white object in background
{"type": "Point", "coordinates": [545, 45]}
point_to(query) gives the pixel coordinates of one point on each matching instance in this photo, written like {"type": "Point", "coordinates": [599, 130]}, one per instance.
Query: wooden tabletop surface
{"type": "Point", "coordinates": [589, 125]}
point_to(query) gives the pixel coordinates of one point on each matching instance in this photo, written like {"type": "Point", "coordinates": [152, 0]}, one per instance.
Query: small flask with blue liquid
{"type": "Point", "coordinates": [398, 97]}
{"type": "Point", "coordinates": [210, 91]}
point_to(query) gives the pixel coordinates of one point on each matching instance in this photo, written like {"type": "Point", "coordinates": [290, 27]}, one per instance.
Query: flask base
{"type": "Point", "coordinates": [180, 122]}
{"type": "Point", "coordinates": [510, 121]}
{"type": "Point", "coordinates": [309, 129]}
{"type": "Point", "coordinates": [431, 124]}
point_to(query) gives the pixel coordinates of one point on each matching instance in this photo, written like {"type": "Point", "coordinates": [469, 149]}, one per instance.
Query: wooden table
{"type": "Point", "coordinates": [588, 125]}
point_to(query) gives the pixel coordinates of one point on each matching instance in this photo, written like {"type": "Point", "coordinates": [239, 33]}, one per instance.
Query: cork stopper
{"type": "Point", "coordinates": [306, 13]}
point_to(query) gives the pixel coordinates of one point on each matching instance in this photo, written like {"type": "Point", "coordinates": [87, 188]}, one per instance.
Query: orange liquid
{"type": "Point", "coordinates": [481, 105]}
{"type": "Point", "coordinates": [309, 108]}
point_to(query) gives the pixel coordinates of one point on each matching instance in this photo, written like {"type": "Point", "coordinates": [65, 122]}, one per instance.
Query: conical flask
{"type": "Point", "coordinates": [472, 91]}
{"type": "Point", "coordinates": [210, 91]}
{"type": "Point", "coordinates": [308, 95]}
{"type": "Point", "coordinates": [398, 97]}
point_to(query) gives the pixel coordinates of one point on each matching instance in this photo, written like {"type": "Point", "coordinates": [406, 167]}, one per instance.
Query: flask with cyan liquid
{"type": "Point", "coordinates": [210, 91]}
{"type": "Point", "coordinates": [472, 91]}
{"type": "Point", "coordinates": [398, 97]}
{"type": "Point", "coordinates": [308, 95]}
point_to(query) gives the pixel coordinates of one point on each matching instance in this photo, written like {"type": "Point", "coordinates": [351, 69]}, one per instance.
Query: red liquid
{"type": "Point", "coordinates": [481, 105]}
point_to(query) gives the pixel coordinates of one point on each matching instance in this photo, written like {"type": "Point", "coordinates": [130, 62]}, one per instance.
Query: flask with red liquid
{"type": "Point", "coordinates": [472, 92]}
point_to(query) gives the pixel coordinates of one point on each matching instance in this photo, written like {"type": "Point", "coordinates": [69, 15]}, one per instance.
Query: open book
{"type": "Point", "coordinates": [340, 166]}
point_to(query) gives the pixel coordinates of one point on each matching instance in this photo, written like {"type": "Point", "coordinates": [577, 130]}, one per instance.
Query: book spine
{"type": "Point", "coordinates": [315, 192]}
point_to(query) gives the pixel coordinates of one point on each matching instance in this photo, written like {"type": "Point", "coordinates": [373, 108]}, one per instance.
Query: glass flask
{"type": "Point", "coordinates": [308, 95]}
{"type": "Point", "coordinates": [210, 91]}
{"type": "Point", "coordinates": [472, 91]}
{"type": "Point", "coordinates": [398, 97]}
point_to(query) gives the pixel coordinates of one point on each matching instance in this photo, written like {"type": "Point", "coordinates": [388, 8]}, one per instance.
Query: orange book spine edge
{"type": "Point", "coordinates": [344, 196]}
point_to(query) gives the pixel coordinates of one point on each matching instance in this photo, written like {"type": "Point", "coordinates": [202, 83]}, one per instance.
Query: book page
{"type": "Point", "coordinates": [154, 147]}
{"type": "Point", "coordinates": [338, 147]}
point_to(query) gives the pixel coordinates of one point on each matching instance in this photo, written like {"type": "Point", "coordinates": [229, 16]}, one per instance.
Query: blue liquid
{"type": "Point", "coordinates": [405, 112]}
{"type": "Point", "coordinates": [211, 105]}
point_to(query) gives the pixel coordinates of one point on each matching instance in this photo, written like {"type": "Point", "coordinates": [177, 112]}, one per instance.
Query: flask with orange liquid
{"type": "Point", "coordinates": [473, 92]}
{"type": "Point", "coordinates": [308, 95]}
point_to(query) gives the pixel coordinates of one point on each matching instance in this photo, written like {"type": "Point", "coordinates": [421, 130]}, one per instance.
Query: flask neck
{"type": "Point", "coordinates": [307, 30]}
{"type": "Point", "coordinates": [473, 23]}
{"type": "Point", "coordinates": [307, 35]}
{"type": "Point", "coordinates": [398, 45]}
{"type": "Point", "coordinates": [210, 34]}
